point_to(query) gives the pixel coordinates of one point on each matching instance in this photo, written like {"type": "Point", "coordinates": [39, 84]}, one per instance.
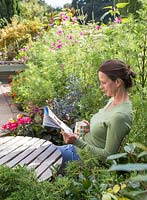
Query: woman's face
{"type": "Point", "coordinates": [108, 86]}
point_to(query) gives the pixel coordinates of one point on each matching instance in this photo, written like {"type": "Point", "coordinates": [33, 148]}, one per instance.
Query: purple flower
{"type": "Point", "coordinates": [118, 20]}
{"type": "Point", "coordinates": [54, 44]}
{"type": "Point", "coordinates": [23, 49]}
{"type": "Point", "coordinates": [65, 17]}
{"type": "Point", "coordinates": [24, 59]}
{"type": "Point", "coordinates": [60, 32]}
{"type": "Point", "coordinates": [74, 19]}
{"type": "Point", "coordinates": [59, 46]}
{"type": "Point", "coordinates": [69, 37]}
{"type": "Point", "coordinates": [81, 33]}
{"type": "Point", "coordinates": [98, 27]}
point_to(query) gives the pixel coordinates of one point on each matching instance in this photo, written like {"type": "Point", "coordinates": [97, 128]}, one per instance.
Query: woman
{"type": "Point", "coordinates": [111, 124]}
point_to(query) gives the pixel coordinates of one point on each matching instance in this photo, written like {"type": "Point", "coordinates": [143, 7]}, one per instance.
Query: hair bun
{"type": "Point", "coordinates": [131, 73]}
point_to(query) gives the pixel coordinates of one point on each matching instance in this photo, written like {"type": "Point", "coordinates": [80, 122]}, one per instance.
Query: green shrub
{"type": "Point", "coordinates": [122, 177]}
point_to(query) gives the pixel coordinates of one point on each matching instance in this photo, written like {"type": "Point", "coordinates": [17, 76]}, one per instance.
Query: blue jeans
{"type": "Point", "coordinates": [68, 153]}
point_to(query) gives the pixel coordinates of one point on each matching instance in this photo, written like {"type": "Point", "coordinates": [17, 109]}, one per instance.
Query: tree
{"type": "Point", "coordinates": [32, 9]}
{"type": "Point", "coordinates": [92, 8]}
{"type": "Point", "coordinates": [8, 8]}
{"type": "Point", "coordinates": [133, 6]}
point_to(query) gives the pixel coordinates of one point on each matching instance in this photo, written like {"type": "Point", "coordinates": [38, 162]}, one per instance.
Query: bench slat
{"type": "Point", "coordinates": [35, 153]}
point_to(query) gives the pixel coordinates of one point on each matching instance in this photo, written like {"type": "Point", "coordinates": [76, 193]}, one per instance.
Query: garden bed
{"type": "Point", "coordinates": [8, 68]}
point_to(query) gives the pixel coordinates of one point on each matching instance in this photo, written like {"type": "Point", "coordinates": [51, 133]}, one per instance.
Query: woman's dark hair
{"type": "Point", "coordinates": [118, 69]}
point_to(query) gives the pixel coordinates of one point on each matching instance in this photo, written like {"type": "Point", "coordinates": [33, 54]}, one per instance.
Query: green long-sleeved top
{"type": "Point", "coordinates": [107, 130]}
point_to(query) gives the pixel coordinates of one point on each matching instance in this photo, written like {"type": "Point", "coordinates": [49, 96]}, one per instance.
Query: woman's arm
{"type": "Point", "coordinates": [117, 128]}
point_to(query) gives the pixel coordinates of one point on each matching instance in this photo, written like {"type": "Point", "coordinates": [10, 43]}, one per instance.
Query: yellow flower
{"type": "Point", "coordinates": [19, 116]}
{"type": "Point", "coordinates": [116, 189]}
{"type": "Point", "coordinates": [123, 185]}
{"type": "Point", "coordinates": [12, 120]}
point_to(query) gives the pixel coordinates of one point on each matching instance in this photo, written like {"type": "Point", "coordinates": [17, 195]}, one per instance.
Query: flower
{"type": "Point", "coordinates": [81, 33]}
{"type": "Point", "coordinates": [69, 37]}
{"type": "Point", "coordinates": [60, 31]}
{"type": "Point", "coordinates": [98, 27]}
{"type": "Point", "coordinates": [24, 120]}
{"type": "Point", "coordinates": [15, 124]}
{"type": "Point", "coordinates": [118, 20]}
{"type": "Point", "coordinates": [74, 20]}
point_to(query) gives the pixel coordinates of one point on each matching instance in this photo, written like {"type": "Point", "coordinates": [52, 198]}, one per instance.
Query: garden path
{"type": "Point", "coordinates": [8, 109]}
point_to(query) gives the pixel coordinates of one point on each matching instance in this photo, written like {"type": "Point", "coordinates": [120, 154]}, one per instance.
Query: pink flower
{"type": "Point", "coordinates": [12, 125]}
{"type": "Point", "coordinates": [59, 46]}
{"type": "Point", "coordinates": [24, 59]}
{"type": "Point", "coordinates": [23, 49]}
{"type": "Point", "coordinates": [27, 120]}
{"type": "Point", "coordinates": [74, 19]}
{"type": "Point", "coordinates": [4, 126]}
{"type": "Point", "coordinates": [81, 33]}
{"type": "Point", "coordinates": [118, 20]}
{"type": "Point", "coordinates": [24, 120]}
{"type": "Point", "coordinates": [60, 32]}
{"type": "Point", "coordinates": [98, 27]}
{"type": "Point", "coordinates": [54, 44]}
{"type": "Point", "coordinates": [65, 17]}
{"type": "Point", "coordinates": [69, 37]}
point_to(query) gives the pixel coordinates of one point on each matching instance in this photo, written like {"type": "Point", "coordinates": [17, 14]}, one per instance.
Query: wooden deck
{"type": "Point", "coordinates": [40, 154]}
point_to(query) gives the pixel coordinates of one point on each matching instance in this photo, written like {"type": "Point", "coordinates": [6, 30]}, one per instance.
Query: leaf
{"type": "Point", "coordinates": [108, 196]}
{"type": "Point", "coordinates": [141, 146]}
{"type": "Point", "coordinates": [123, 185]}
{"type": "Point", "coordinates": [144, 153]}
{"type": "Point", "coordinates": [104, 15]}
{"type": "Point", "coordinates": [139, 178]}
{"type": "Point", "coordinates": [135, 193]}
{"type": "Point", "coordinates": [129, 167]}
{"type": "Point", "coordinates": [116, 156]}
{"type": "Point", "coordinates": [116, 188]}
{"type": "Point", "coordinates": [106, 7]}
{"type": "Point", "coordinates": [125, 20]}
{"type": "Point", "coordinates": [130, 148]}
{"type": "Point", "coordinates": [121, 5]}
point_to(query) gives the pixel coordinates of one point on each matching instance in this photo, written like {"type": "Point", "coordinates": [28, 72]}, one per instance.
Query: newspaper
{"type": "Point", "coordinates": [51, 120]}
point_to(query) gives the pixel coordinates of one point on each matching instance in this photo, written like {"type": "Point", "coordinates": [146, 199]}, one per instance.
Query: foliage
{"type": "Point", "coordinates": [114, 12]}
{"type": "Point", "coordinates": [85, 179]}
{"type": "Point", "coordinates": [9, 8]}
{"type": "Point", "coordinates": [15, 35]}
{"type": "Point", "coordinates": [32, 10]}
{"type": "Point", "coordinates": [64, 61]}
{"type": "Point", "coordinates": [59, 74]}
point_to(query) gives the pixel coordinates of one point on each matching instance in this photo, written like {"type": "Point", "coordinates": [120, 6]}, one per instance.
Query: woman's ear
{"type": "Point", "coordinates": [119, 82]}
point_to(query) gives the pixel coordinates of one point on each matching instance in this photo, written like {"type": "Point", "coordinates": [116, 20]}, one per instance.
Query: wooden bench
{"type": "Point", "coordinates": [35, 153]}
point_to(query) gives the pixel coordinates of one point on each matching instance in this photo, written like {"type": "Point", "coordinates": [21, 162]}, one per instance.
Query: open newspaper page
{"type": "Point", "coordinates": [51, 120]}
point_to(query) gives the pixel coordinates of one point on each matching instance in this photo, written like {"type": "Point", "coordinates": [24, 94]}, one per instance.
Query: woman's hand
{"type": "Point", "coordinates": [87, 127]}
{"type": "Point", "coordinates": [68, 137]}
